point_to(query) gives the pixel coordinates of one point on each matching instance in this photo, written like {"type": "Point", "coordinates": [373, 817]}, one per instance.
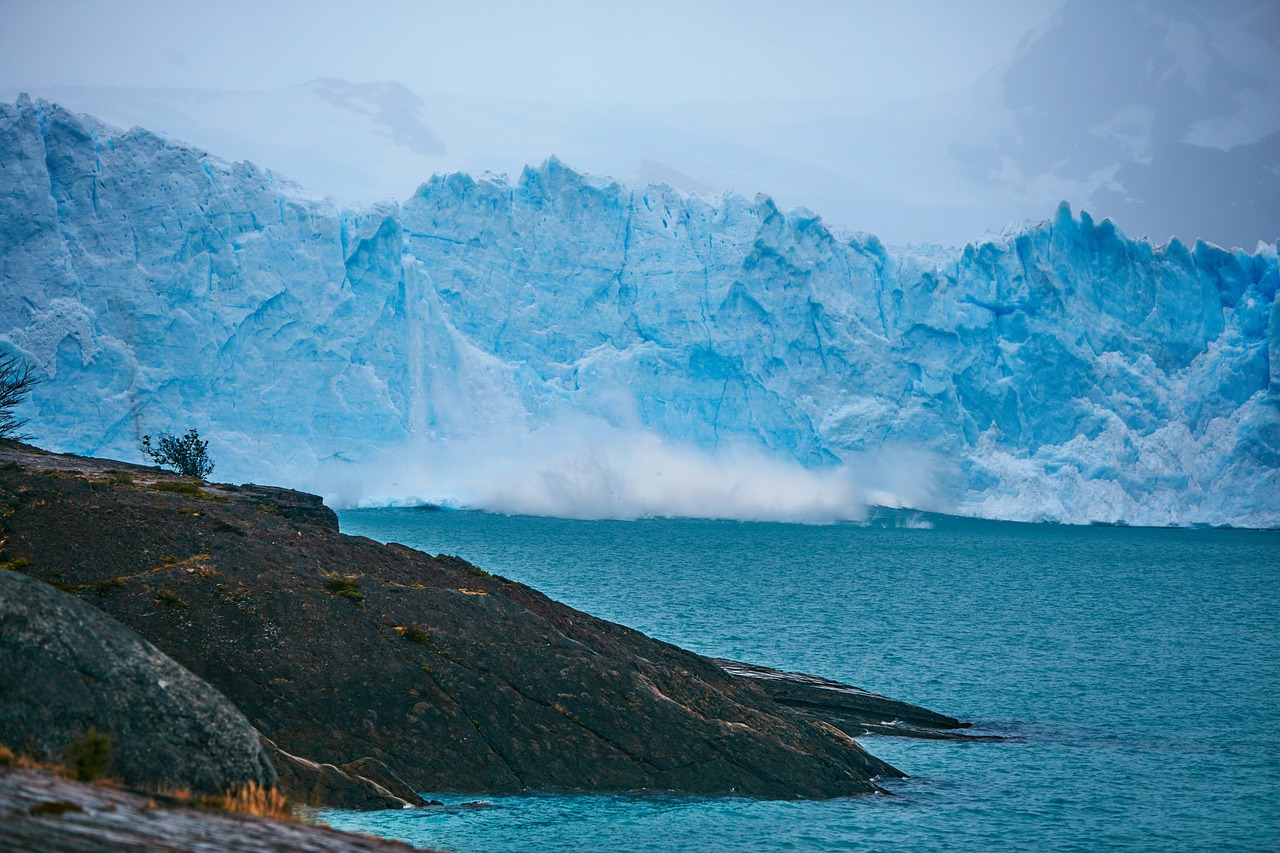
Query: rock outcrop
{"type": "Point", "coordinates": [339, 648]}
{"type": "Point", "coordinates": [67, 668]}
{"type": "Point", "coordinates": [850, 708]}
{"type": "Point", "coordinates": [380, 774]}
{"type": "Point", "coordinates": [324, 785]}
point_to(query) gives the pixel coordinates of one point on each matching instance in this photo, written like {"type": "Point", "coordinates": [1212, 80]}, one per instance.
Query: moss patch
{"type": "Point", "coordinates": [345, 588]}
{"type": "Point", "coordinates": [413, 635]}
{"type": "Point", "coordinates": [171, 599]}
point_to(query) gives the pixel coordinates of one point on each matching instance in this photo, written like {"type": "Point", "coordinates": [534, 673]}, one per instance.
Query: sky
{"type": "Point", "coordinates": [922, 122]}
{"type": "Point", "coordinates": [561, 52]}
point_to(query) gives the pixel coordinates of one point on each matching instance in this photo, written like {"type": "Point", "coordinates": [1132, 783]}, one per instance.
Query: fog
{"type": "Point", "coordinates": [921, 122]}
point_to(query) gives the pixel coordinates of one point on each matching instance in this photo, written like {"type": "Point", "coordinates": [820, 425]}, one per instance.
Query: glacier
{"type": "Point", "coordinates": [565, 344]}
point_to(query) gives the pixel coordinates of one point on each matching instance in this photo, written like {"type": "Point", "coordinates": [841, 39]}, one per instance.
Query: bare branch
{"type": "Point", "coordinates": [16, 382]}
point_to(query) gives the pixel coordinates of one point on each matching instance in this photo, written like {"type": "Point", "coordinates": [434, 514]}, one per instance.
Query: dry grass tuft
{"type": "Point", "coordinates": [250, 798]}
{"type": "Point", "coordinates": [412, 634]}
{"type": "Point", "coordinates": [253, 799]}
{"type": "Point", "coordinates": [22, 761]}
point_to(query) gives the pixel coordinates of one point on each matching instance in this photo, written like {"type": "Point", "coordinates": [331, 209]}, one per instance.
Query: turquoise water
{"type": "Point", "coordinates": [1137, 669]}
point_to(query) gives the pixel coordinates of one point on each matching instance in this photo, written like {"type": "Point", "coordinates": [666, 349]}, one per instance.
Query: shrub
{"type": "Point", "coordinates": [116, 477]}
{"type": "Point", "coordinates": [90, 755]}
{"type": "Point", "coordinates": [179, 487]}
{"type": "Point", "coordinates": [188, 455]}
{"type": "Point", "coordinates": [16, 382]}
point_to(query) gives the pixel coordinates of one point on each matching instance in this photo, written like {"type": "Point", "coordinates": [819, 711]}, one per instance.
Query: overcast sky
{"type": "Point", "coordinates": [920, 121]}
{"type": "Point", "coordinates": [653, 52]}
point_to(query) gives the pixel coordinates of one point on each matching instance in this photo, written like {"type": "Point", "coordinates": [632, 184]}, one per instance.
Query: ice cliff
{"type": "Point", "coordinates": [571, 345]}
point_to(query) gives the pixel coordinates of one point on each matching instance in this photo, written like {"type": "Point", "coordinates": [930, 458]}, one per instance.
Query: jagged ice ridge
{"type": "Point", "coordinates": [569, 345]}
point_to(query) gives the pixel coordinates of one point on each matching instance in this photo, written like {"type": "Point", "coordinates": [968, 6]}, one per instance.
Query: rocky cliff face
{"type": "Point", "coordinates": [1062, 373]}
{"type": "Point", "coordinates": [338, 648]}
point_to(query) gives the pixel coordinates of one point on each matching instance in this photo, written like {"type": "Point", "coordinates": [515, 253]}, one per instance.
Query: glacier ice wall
{"type": "Point", "coordinates": [570, 345]}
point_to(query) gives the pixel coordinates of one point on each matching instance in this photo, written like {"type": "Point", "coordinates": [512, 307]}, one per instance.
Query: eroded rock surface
{"type": "Point", "coordinates": [66, 668]}
{"type": "Point", "coordinates": [324, 785]}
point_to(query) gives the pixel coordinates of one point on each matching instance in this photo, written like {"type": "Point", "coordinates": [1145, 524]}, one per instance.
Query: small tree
{"type": "Point", "coordinates": [16, 383]}
{"type": "Point", "coordinates": [90, 755]}
{"type": "Point", "coordinates": [188, 455]}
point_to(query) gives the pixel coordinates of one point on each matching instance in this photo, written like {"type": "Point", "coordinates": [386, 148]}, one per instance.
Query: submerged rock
{"type": "Point", "coordinates": [67, 668]}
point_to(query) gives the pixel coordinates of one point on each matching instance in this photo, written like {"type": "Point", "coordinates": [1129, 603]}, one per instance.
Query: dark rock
{"type": "Point", "coordinates": [326, 786]}
{"type": "Point", "coordinates": [850, 708]}
{"type": "Point", "coordinates": [67, 667]}
{"type": "Point", "coordinates": [375, 771]}
{"type": "Point", "coordinates": [287, 503]}
{"type": "Point", "coordinates": [338, 647]}
{"type": "Point", "coordinates": [39, 811]}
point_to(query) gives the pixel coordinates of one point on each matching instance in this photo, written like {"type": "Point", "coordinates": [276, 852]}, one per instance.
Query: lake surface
{"type": "Point", "coordinates": [1138, 671]}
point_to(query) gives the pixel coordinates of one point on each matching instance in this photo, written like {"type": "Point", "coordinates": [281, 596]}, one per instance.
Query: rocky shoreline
{"type": "Point", "coordinates": [370, 672]}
